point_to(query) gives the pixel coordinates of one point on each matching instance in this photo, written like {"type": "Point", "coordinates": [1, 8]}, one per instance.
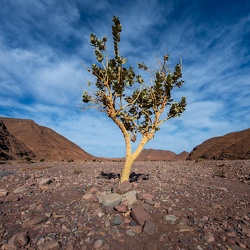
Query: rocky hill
{"type": "Point", "coordinates": [43, 142]}
{"type": "Point", "coordinates": [10, 147]}
{"type": "Point", "coordinates": [230, 146]}
{"type": "Point", "coordinates": [160, 155]}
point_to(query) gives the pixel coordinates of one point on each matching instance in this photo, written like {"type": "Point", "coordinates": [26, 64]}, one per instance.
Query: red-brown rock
{"type": "Point", "coordinates": [124, 187]}
{"type": "Point", "coordinates": [139, 215]}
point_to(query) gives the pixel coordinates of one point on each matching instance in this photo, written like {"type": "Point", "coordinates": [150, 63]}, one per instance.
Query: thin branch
{"type": "Point", "coordinates": [129, 104]}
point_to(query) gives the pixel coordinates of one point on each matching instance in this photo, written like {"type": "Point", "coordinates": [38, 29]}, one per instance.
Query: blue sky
{"type": "Point", "coordinates": [45, 43]}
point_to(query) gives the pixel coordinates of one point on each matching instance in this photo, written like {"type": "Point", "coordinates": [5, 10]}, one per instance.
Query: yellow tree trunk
{"type": "Point", "coordinates": [126, 169]}
{"type": "Point", "coordinates": [130, 158]}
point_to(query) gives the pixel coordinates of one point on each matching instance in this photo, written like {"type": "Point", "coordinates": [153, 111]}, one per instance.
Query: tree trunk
{"type": "Point", "coordinates": [130, 158]}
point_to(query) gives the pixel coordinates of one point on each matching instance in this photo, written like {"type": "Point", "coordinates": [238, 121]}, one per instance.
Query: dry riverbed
{"type": "Point", "coordinates": [186, 205]}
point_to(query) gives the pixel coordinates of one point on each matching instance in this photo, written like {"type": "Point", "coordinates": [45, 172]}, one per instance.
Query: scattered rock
{"type": "Point", "coordinates": [124, 187]}
{"type": "Point", "coordinates": [98, 244]}
{"type": "Point", "coordinates": [208, 237]}
{"type": "Point", "coordinates": [19, 190]}
{"type": "Point", "coordinates": [44, 181]}
{"type": "Point", "coordinates": [130, 232]}
{"type": "Point", "coordinates": [108, 210]}
{"type": "Point", "coordinates": [67, 216]}
{"type": "Point", "coordinates": [130, 197]}
{"type": "Point", "coordinates": [136, 229]}
{"type": "Point", "coordinates": [88, 197]}
{"type": "Point", "coordinates": [139, 215]}
{"type": "Point", "coordinates": [147, 197]}
{"type": "Point", "coordinates": [170, 217]}
{"type": "Point", "coordinates": [11, 197]}
{"type": "Point", "coordinates": [122, 208]}
{"type": "Point", "coordinates": [34, 221]}
{"type": "Point", "coordinates": [183, 227]}
{"type": "Point", "coordinates": [111, 200]}
{"type": "Point", "coordinates": [149, 227]}
{"type": "Point", "coordinates": [17, 241]}
{"type": "Point", "coordinates": [3, 192]}
{"type": "Point", "coordinates": [116, 220]}
{"type": "Point", "coordinates": [49, 245]}
{"type": "Point", "coordinates": [44, 184]}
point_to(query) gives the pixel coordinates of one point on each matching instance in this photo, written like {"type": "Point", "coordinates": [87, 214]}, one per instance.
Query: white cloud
{"type": "Point", "coordinates": [43, 45]}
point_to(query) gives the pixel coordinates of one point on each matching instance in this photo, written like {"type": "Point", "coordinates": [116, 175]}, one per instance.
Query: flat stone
{"type": "Point", "coordinates": [124, 187]}
{"type": "Point", "coordinates": [130, 232]}
{"type": "Point", "coordinates": [19, 190]}
{"type": "Point", "coordinates": [34, 221]}
{"type": "Point", "coordinates": [88, 197]}
{"type": "Point", "coordinates": [121, 208]}
{"type": "Point", "coordinates": [45, 181]}
{"type": "Point", "coordinates": [17, 241]}
{"type": "Point", "coordinates": [111, 200]}
{"type": "Point", "coordinates": [100, 196]}
{"type": "Point", "coordinates": [170, 217]}
{"type": "Point", "coordinates": [147, 197]}
{"type": "Point", "coordinates": [3, 192]}
{"type": "Point", "coordinates": [139, 215]}
{"type": "Point", "coordinates": [11, 198]}
{"type": "Point", "coordinates": [208, 237]}
{"type": "Point", "coordinates": [235, 247]}
{"type": "Point", "coordinates": [149, 227]}
{"type": "Point", "coordinates": [184, 228]}
{"type": "Point", "coordinates": [130, 197]}
{"type": "Point", "coordinates": [136, 229]}
{"type": "Point", "coordinates": [49, 245]}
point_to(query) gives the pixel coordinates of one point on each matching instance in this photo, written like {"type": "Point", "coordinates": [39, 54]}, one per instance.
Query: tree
{"type": "Point", "coordinates": [134, 106]}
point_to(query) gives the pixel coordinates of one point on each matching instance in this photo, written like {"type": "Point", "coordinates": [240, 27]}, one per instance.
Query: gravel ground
{"type": "Point", "coordinates": [191, 205]}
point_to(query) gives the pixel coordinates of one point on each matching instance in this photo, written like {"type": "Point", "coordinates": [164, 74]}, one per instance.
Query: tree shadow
{"type": "Point", "coordinates": [133, 177]}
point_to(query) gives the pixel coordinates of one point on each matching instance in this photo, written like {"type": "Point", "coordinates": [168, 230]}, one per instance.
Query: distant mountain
{"type": "Point", "coordinates": [230, 146]}
{"type": "Point", "coordinates": [44, 142]}
{"type": "Point", "coordinates": [11, 148]}
{"type": "Point", "coordinates": [161, 155]}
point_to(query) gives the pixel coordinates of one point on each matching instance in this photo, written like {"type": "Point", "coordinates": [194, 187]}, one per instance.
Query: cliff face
{"type": "Point", "coordinates": [44, 142]}
{"type": "Point", "coordinates": [230, 146]}
{"type": "Point", "coordinates": [10, 147]}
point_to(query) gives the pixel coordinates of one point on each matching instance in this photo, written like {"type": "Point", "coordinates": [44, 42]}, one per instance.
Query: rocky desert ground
{"type": "Point", "coordinates": [168, 205]}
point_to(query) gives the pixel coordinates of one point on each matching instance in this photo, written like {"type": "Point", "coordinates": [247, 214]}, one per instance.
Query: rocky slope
{"type": "Point", "coordinates": [10, 147]}
{"type": "Point", "coordinates": [230, 146]}
{"type": "Point", "coordinates": [44, 142]}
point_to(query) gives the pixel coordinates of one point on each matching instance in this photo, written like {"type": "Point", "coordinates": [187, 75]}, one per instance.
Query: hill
{"type": "Point", "coordinates": [44, 142]}
{"type": "Point", "coordinates": [160, 155]}
{"type": "Point", "coordinates": [231, 146]}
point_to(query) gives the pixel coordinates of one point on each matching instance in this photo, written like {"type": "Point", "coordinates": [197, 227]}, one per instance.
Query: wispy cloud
{"type": "Point", "coordinates": [44, 45]}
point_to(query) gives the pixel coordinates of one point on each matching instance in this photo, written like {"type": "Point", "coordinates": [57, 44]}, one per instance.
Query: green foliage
{"type": "Point", "coordinates": [123, 94]}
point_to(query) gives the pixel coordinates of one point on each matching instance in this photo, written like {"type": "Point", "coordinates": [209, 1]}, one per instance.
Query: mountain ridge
{"type": "Point", "coordinates": [231, 146]}
{"type": "Point", "coordinates": [44, 142]}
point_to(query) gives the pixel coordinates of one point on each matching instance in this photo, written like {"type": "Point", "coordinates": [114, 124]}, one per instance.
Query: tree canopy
{"type": "Point", "coordinates": [133, 104]}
